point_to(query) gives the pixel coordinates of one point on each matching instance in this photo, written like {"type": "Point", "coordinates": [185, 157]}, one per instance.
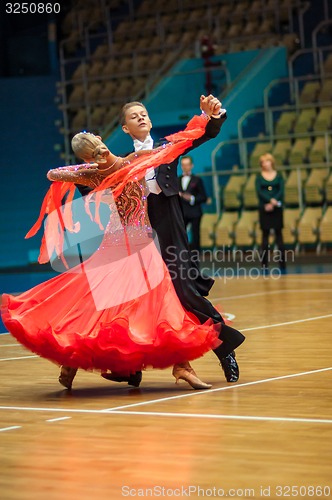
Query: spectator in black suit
{"type": "Point", "coordinates": [192, 194]}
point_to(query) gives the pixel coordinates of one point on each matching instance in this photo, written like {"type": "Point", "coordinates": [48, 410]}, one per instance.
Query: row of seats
{"type": "Point", "coordinates": [237, 8]}
{"type": "Point", "coordinates": [316, 186]}
{"type": "Point", "coordinates": [252, 17]}
{"type": "Point", "coordinates": [102, 94]}
{"type": "Point", "coordinates": [241, 43]}
{"type": "Point", "coordinates": [311, 150]}
{"type": "Point", "coordinates": [157, 30]}
{"type": "Point", "coordinates": [306, 120]}
{"type": "Point", "coordinates": [143, 46]}
{"type": "Point", "coordinates": [99, 118]}
{"type": "Point", "coordinates": [98, 93]}
{"type": "Point", "coordinates": [97, 73]}
{"type": "Point", "coordinates": [102, 71]}
{"type": "Point", "coordinates": [263, 21]}
{"type": "Point", "coordinates": [313, 226]}
{"type": "Point", "coordinates": [310, 116]}
{"type": "Point", "coordinates": [87, 12]}
{"type": "Point", "coordinates": [318, 91]}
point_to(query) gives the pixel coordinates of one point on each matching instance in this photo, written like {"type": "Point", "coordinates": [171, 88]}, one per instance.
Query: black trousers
{"type": "Point", "coordinates": [266, 257]}
{"type": "Point", "coordinates": [195, 231]}
{"type": "Point", "coordinates": [166, 217]}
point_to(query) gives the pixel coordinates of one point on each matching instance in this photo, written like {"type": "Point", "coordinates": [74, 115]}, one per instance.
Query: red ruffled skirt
{"type": "Point", "coordinates": [117, 311]}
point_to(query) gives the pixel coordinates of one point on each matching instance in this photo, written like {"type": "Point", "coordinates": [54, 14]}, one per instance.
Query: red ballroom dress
{"type": "Point", "coordinates": [118, 310]}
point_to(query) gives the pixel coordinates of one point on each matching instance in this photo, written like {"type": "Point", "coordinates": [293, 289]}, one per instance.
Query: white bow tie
{"type": "Point", "coordinates": [146, 144]}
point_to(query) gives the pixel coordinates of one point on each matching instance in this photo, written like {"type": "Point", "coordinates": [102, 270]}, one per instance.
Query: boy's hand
{"type": "Point", "coordinates": [210, 105]}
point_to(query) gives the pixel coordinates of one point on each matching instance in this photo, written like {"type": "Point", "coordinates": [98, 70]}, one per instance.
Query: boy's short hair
{"type": "Point", "coordinates": [127, 106]}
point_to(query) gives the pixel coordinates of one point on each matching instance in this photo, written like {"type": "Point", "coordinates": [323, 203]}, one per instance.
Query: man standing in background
{"type": "Point", "coordinates": [192, 194]}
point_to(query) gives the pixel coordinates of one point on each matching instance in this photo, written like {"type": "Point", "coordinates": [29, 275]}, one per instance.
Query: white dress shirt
{"type": "Point", "coordinates": [150, 175]}
{"type": "Point", "coordinates": [185, 183]}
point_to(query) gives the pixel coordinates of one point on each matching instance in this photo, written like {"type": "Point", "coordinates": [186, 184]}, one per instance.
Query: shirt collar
{"type": "Point", "coordinates": [146, 144]}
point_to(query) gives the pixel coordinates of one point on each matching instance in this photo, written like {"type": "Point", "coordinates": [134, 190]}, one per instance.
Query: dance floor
{"type": "Point", "coordinates": [269, 435]}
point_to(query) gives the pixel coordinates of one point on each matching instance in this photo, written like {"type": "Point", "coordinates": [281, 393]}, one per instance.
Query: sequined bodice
{"type": "Point", "coordinates": [128, 229]}
{"type": "Point", "coordinates": [131, 205]}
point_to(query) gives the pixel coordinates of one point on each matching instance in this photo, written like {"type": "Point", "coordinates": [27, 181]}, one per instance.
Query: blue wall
{"type": "Point", "coordinates": [29, 133]}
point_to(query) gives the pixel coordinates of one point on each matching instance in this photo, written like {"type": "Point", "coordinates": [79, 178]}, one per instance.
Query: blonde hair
{"type": "Point", "coordinates": [268, 157]}
{"type": "Point", "coordinates": [89, 147]}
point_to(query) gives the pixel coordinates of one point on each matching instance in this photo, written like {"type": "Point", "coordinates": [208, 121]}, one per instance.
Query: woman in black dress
{"type": "Point", "coordinates": [270, 192]}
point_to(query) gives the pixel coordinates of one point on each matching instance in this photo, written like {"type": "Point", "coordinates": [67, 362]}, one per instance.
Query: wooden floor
{"type": "Point", "coordinates": [260, 437]}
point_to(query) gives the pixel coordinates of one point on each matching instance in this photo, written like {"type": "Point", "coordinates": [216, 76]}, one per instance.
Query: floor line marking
{"type": "Point", "coordinates": [225, 417]}
{"type": "Point", "coordinates": [4, 429]}
{"type": "Point", "coordinates": [271, 292]}
{"type": "Point", "coordinates": [314, 318]}
{"type": "Point", "coordinates": [57, 419]}
{"type": "Point", "coordinates": [325, 277]}
{"type": "Point", "coordinates": [312, 276]}
{"type": "Point", "coordinates": [160, 400]}
{"type": "Point", "coordinates": [182, 415]}
{"type": "Point", "coordinates": [22, 357]}
{"type": "Point", "coordinates": [53, 410]}
{"type": "Point", "coordinates": [11, 345]}
{"type": "Point", "coordinates": [219, 389]}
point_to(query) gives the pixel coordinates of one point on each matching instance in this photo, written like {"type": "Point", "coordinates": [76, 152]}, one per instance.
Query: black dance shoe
{"type": "Point", "coordinates": [133, 379]}
{"type": "Point", "coordinates": [230, 367]}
